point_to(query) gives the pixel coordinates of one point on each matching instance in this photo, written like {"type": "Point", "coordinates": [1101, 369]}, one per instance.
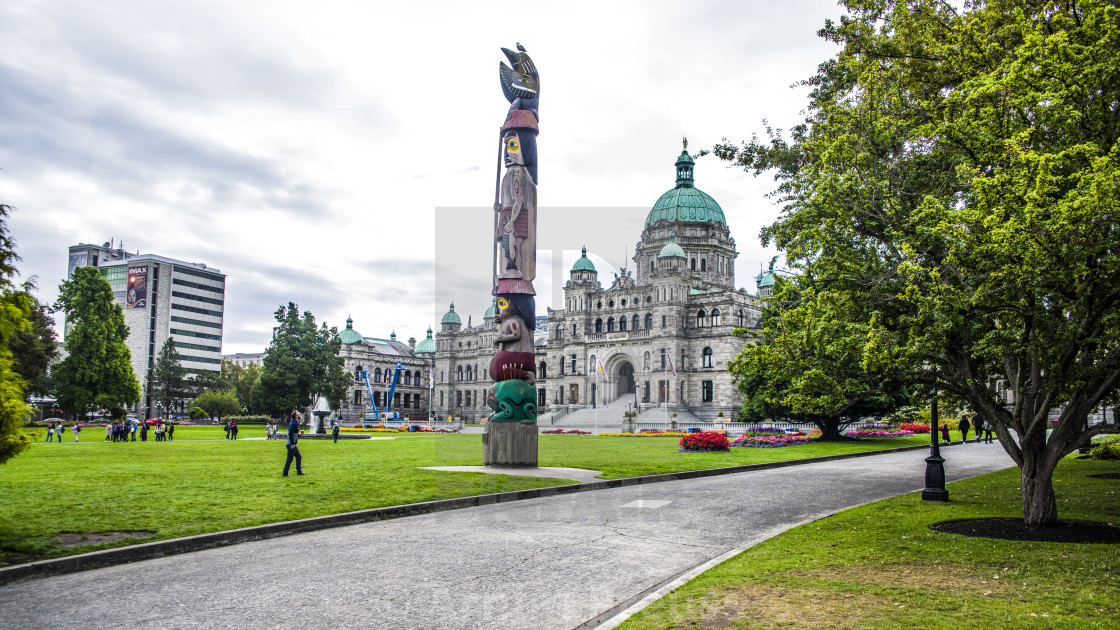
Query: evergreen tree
{"type": "Point", "coordinates": [301, 364]}
{"type": "Point", "coordinates": [97, 372]}
{"type": "Point", "coordinates": [958, 178]}
{"type": "Point", "coordinates": [168, 383]}
{"type": "Point", "coordinates": [33, 348]}
{"type": "Point", "coordinates": [15, 306]}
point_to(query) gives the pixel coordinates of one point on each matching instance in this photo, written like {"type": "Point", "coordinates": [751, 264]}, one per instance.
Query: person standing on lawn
{"type": "Point", "coordinates": [334, 432]}
{"type": "Point", "coordinates": [964, 426]}
{"type": "Point", "coordinates": [75, 429]}
{"type": "Point", "coordinates": [170, 430]}
{"type": "Point", "coordinates": [292, 444]}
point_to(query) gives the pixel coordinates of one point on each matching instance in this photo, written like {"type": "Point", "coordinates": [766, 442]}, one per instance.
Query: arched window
{"type": "Point", "coordinates": [706, 358]}
{"type": "Point", "coordinates": [649, 321]}
{"type": "Point", "coordinates": [692, 263]}
{"type": "Point", "coordinates": [358, 373]}
{"type": "Point", "coordinates": [703, 264]}
{"type": "Point", "coordinates": [459, 374]}
{"type": "Point", "coordinates": [715, 317]}
{"type": "Point", "coordinates": [407, 377]}
{"type": "Point", "coordinates": [470, 374]}
{"type": "Point", "coordinates": [651, 265]}
{"type": "Point", "coordinates": [740, 318]}
{"type": "Point", "coordinates": [622, 323]}
{"type": "Point", "coordinates": [377, 375]}
{"type": "Point", "coordinates": [559, 331]}
{"type": "Point", "coordinates": [700, 318]}
{"type": "Point", "coordinates": [416, 378]}
{"type": "Point", "coordinates": [543, 368]}
{"type": "Point", "coordinates": [645, 362]}
{"type": "Point", "coordinates": [637, 323]}
{"type": "Point", "coordinates": [599, 325]}
{"type": "Point", "coordinates": [610, 324]}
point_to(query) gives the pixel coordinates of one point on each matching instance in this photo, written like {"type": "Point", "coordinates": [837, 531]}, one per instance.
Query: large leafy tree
{"type": "Point", "coordinates": [219, 403]}
{"type": "Point", "coordinates": [958, 176]}
{"type": "Point", "coordinates": [168, 383]}
{"type": "Point", "coordinates": [807, 364]}
{"type": "Point", "coordinates": [301, 364]}
{"type": "Point", "coordinates": [34, 347]}
{"type": "Point", "coordinates": [15, 306]}
{"type": "Point", "coordinates": [97, 371]}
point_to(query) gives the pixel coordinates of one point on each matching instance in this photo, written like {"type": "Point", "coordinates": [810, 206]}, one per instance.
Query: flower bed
{"type": "Point", "coordinates": [705, 442]}
{"type": "Point", "coordinates": [878, 431]}
{"type": "Point", "coordinates": [770, 440]}
{"type": "Point", "coordinates": [563, 432]}
{"type": "Point", "coordinates": [439, 430]}
{"type": "Point", "coordinates": [373, 430]}
{"type": "Point", "coordinates": [914, 427]}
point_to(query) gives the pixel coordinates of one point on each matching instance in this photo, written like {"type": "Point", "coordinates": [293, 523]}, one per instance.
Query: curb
{"type": "Point", "coordinates": [187, 544]}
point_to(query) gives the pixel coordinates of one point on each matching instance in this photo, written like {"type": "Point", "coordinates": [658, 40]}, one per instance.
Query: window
{"type": "Point", "coordinates": [573, 330]}
{"type": "Point", "coordinates": [645, 363]}
{"type": "Point", "coordinates": [622, 323]}
{"type": "Point", "coordinates": [599, 325]}
{"type": "Point", "coordinates": [459, 373]}
{"type": "Point", "coordinates": [663, 318]}
{"type": "Point", "coordinates": [458, 399]}
{"type": "Point", "coordinates": [358, 373]}
{"type": "Point", "coordinates": [407, 378]}
{"type": "Point", "coordinates": [664, 358]}
{"type": "Point", "coordinates": [599, 304]}
{"type": "Point", "coordinates": [649, 299]}
{"type": "Point", "coordinates": [649, 321]}
{"type": "Point", "coordinates": [703, 264]}
{"type": "Point", "coordinates": [470, 374]}
{"type": "Point", "coordinates": [561, 366]}
{"type": "Point", "coordinates": [706, 358]}
{"type": "Point", "coordinates": [700, 318]}
{"type": "Point", "coordinates": [610, 324]}
{"type": "Point", "coordinates": [740, 318]}
{"type": "Point", "coordinates": [610, 303]}
{"type": "Point", "coordinates": [651, 265]}
{"type": "Point", "coordinates": [623, 302]}
{"type": "Point", "coordinates": [416, 377]}
{"type": "Point", "coordinates": [441, 399]}
{"type": "Point", "coordinates": [573, 364]}
{"type": "Point", "coordinates": [715, 317]}
{"type": "Point", "coordinates": [543, 369]}
{"type": "Point", "coordinates": [692, 263]}
{"type": "Point", "coordinates": [637, 323]}
{"type": "Point", "coordinates": [377, 375]}
{"type": "Point", "coordinates": [357, 396]}
{"type": "Point", "coordinates": [592, 367]}
{"type": "Point", "coordinates": [706, 391]}
{"type": "Point", "coordinates": [467, 398]}
{"type": "Point", "coordinates": [559, 331]}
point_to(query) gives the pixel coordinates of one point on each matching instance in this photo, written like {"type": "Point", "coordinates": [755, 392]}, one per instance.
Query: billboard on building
{"type": "Point", "coordinates": [77, 259]}
{"type": "Point", "coordinates": [137, 296]}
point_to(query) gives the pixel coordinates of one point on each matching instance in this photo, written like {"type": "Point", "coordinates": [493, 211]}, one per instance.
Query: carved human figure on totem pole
{"type": "Point", "coordinates": [516, 319]}
{"type": "Point", "coordinates": [517, 211]}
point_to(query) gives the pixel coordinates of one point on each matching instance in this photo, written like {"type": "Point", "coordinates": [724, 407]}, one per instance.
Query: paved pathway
{"type": "Point", "coordinates": [551, 563]}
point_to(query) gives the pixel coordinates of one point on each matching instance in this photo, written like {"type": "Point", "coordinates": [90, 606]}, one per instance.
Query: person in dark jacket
{"type": "Point", "coordinates": [964, 426]}
{"type": "Point", "coordinates": [292, 444]}
{"type": "Point", "coordinates": [334, 432]}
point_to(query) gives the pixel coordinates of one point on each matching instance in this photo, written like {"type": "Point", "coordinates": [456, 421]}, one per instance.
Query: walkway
{"type": "Point", "coordinates": [551, 563]}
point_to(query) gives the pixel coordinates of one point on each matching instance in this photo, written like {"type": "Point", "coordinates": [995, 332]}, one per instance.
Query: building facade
{"type": "Point", "coordinates": [378, 358]}
{"type": "Point", "coordinates": [245, 359]}
{"type": "Point", "coordinates": [659, 335]}
{"type": "Point", "coordinates": [162, 299]}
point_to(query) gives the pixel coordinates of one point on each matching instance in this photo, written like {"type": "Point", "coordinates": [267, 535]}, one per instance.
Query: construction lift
{"type": "Point", "coordinates": [389, 414]}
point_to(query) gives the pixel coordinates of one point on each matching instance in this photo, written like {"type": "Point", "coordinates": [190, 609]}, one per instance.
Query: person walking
{"type": "Point", "coordinates": [987, 432]}
{"type": "Point", "coordinates": [75, 429]}
{"type": "Point", "coordinates": [108, 432]}
{"type": "Point", "coordinates": [233, 430]}
{"type": "Point", "coordinates": [229, 428]}
{"type": "Point", "coordinates": [170, 430]}
{"type": "Point", "coordinates": [964, 426]}
{"type": "Point", "coordinates": [292, 444]}
{"type": "Point", "coordinates": [334, 432]}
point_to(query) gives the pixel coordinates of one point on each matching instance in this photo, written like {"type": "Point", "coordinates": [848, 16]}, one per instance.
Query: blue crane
{"type": "Point", "coordinates": [389, 413]}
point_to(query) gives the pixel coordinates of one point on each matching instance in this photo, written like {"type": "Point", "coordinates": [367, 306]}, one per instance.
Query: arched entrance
{"type": "Point", "coordinates": [625, 380]}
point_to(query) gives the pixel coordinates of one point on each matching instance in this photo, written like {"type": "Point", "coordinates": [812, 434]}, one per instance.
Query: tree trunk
{"type": "Point", "coordinates": [830, 431]}
{"type": "Point", "coordinates": [1039, 505]}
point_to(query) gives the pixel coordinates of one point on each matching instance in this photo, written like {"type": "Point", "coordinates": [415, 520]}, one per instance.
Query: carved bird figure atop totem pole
{"type": "Point", "coordinates": [520, 83]}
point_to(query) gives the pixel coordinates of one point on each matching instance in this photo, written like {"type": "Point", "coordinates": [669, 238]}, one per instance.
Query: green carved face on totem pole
{"type": "Point", "coordinates": [513, 401]}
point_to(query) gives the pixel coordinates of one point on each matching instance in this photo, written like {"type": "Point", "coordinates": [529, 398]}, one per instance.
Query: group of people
{"type": "Point", "coordinates": [127, 432]}
{"type": "Point", "coordinates": [231, 430]}
{"type": "Point", "coordinates": [983, 430]}
{"type": "Point", "coordinates": [57, 430]}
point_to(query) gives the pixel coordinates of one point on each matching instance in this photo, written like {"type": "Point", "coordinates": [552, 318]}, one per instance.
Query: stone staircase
{"type": "Point", "coordinates": [612, 414]}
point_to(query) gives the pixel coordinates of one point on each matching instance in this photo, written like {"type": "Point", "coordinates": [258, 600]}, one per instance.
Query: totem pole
{"type": "Point", "coordinates": [511, 432]}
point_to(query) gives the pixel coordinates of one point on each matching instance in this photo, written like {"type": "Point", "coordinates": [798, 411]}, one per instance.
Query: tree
{"type": "Point", "coordinates": [97, 371]}
{"type": "Point", "coordinates": [15, 307]}
{"type": "Point", "coordinates": [301, 364]}
{"type": "Point", "coordinates": [34, 347]}
{"type": "Point", "coordinates": [218, 403]}
{"type": "Point", "coordinates": [168, 382]}
{"type": "Point", "coordinates": [245, 386]}
{"type": "Point", "coordinates": [957, 176]}
{"type": "Point", "coordinates": [807, 365]}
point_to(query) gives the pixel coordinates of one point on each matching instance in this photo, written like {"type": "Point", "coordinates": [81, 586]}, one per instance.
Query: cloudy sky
{"type": "Point", "coordinates": [336, 154]}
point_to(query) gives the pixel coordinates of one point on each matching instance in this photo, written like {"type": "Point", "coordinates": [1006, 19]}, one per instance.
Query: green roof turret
{"type": "Point", "coordinates": [451, 317]}
{"type": "Point", "coordinates": [348, 334]}
{"type": "Point", "coordinates": [671, 249]}
{"type": "Point", "coordinates": [686, 203]}
{"type": "Point", "coordinates": [427, 345]}
{"type": "Point", "coordinates": [584, 263]}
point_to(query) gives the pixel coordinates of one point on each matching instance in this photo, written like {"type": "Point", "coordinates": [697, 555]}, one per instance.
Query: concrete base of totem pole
{"type": "Point", "coordinates": [509, 444]}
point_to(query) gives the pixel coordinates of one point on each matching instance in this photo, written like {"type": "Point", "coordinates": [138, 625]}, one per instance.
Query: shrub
{"type": "Point", "coordinates": [196, 413]}
{"type": "Point", "coordinates": [703, 442]}
{"type": "Point", "coordinates": [1107, 450]}
{"type": "Point", "coordinates": [914, 427]}
{"type": "Point", "coordinates": [769, 440]}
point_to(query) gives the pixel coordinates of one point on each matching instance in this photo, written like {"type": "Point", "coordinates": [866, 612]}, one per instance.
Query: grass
{"type": "Point", "coordinates": [880, 566]}
{"type": "Point", "coordinates": [202, 483]}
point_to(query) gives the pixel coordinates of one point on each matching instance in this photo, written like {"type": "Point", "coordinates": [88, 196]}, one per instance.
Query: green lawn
{"type": "Point", "coordinates": [202, 483]}
{"type": "Point", "coordinates": [880, 566]}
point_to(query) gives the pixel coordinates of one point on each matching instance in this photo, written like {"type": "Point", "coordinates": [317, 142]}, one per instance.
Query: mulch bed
{"type": "Point", "coordinates": [1106, 476]}
{"type": "Point", "coordinates": [1016, 529]}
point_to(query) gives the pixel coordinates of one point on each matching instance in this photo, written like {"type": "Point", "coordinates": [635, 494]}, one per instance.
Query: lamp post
{"type": "Point", "coordinates": [935, 463]}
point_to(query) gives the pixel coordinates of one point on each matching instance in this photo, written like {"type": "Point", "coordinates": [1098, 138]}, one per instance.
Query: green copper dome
{"type": "Point", "coordinates": [451, 317]}
{"type": "Point", "coordinates": [671, 248]}
{"type": "Point", "coordinates": [489, 312]}
{"type": "Point", "coordinates": [349, 335]}
{"type": "Point", "coordinates": [686, 203]}
{"type": "Point", "coordinates": [428, 345]}
{"type": "Point", "coordinates": [584, 263]}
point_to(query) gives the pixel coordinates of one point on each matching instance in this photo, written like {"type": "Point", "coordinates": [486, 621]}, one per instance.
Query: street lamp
{"type": "Point", "coordinates": [935, 463]}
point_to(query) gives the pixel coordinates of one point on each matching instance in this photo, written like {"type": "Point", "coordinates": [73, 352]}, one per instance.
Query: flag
{"type": "Point", "coordinates": [669, 355]}
{"type": "Point", "coordinates": [431, 376]}
{"type": "Point", "coordinates": [601, 370]}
